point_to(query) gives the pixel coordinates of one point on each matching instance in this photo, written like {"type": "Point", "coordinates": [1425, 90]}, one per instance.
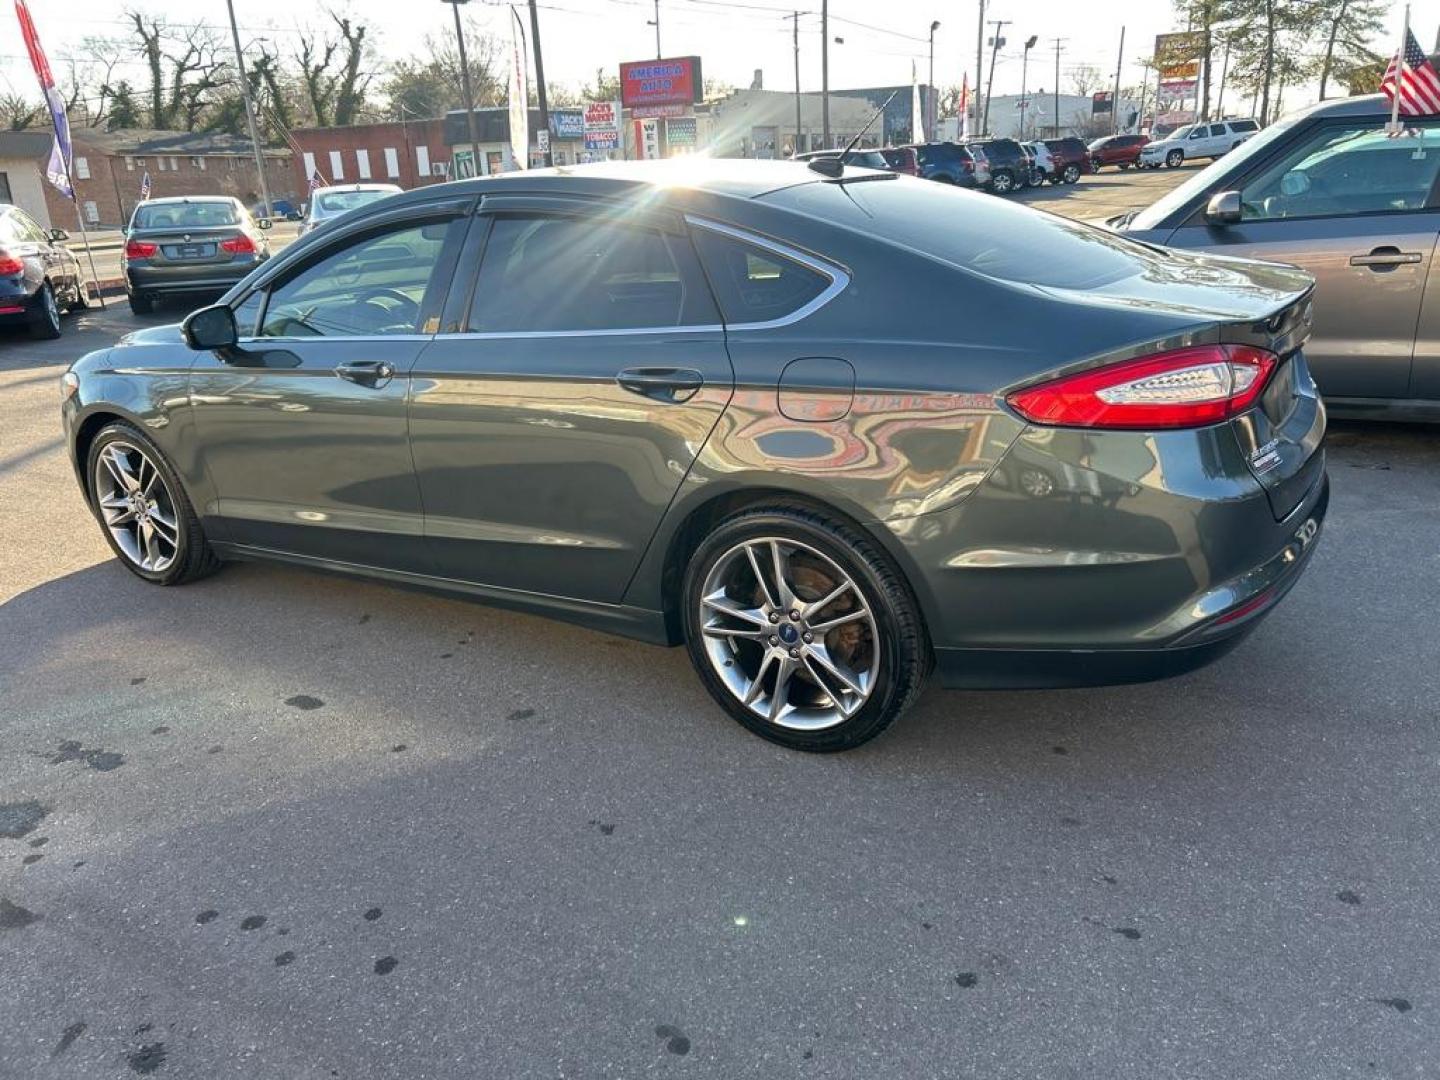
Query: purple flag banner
{"type": "Point", "coordinates": [57, 171]}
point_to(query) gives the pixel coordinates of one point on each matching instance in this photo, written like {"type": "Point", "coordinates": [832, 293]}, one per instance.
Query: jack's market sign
{"type": "Point", "coordinates": [645, 83]}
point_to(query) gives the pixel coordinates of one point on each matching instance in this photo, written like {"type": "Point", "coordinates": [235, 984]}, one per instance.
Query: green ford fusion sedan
{"type": "Point", "coordinates": [828, 428]}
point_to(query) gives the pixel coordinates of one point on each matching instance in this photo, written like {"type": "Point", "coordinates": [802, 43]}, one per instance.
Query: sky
{"type": "Point", "coordinates": [732, 37]}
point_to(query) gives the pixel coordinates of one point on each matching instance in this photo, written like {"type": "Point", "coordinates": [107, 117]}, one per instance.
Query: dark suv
{"type": "Point", "coordinates": [1010, 166]}
{"type": "Point", "coordinates": [1121, 150]}
{"type": "Point", "coordinates": [951, 163]}
{"type": "Point", "coordinates": [1069, 159]}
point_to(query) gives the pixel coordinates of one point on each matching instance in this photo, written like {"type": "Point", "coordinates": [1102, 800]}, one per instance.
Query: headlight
{"type": "Point", "coordinates": [69, 385]}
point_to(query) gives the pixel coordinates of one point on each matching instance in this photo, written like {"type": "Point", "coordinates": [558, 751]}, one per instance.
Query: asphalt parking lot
{"type": "Point", "coordinates": [277, 824]}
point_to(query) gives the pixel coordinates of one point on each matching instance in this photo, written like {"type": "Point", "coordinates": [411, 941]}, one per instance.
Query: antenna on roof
{"type": "Point", "coordinates": [835, 166]}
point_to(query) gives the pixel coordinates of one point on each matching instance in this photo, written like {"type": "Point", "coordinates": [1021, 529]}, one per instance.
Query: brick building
{"type": "Point", "coordinates": [108, 167]}
{"type": "Point", "coordinates": [411, 153]}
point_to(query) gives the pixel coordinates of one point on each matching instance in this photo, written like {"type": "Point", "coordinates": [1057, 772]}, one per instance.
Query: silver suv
{"type": "Point", "coordinates": [1197, 141]}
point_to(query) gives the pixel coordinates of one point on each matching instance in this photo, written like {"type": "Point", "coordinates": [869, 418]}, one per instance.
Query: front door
{"type": "Point", "coordinates": [303, 428]}
{"type": "Point", "coordinates": [1355, 208]}
{"type": "Point", "coordinates": [552, 433]}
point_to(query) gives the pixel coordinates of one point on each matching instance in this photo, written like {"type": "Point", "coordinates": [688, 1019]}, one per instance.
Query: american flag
{"type": "Point", "coordinates": [1412, 79]}
{"type": "Point", "coordinates": [316, 180]}
{"type": "Point", "coordinates": [145, 186]}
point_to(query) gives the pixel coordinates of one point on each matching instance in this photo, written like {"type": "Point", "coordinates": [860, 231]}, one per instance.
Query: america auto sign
{"type": "Point", "coordinates": [661, 87]}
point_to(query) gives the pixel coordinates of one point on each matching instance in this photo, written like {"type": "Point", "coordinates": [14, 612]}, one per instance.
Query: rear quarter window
{"type": "Point", "coordinates": [754, 284]}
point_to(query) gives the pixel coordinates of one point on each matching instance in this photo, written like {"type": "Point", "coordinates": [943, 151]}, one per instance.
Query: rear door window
{"type": "Point", "coordinates": [553, 273]}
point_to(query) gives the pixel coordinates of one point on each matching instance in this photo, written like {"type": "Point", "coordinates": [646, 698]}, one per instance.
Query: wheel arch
{"type": "Point", "coordinates": [658, 582]}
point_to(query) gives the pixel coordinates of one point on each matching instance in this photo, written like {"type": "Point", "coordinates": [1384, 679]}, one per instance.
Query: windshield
{"type": "Point", "coordinates": [1215, 177]}
{"type": "Point", "coordinates": [1181, 132]}
{"type": "Point", "coordinates": [190, 215]}
{"type": "Point", "coordinates": [337, 202]}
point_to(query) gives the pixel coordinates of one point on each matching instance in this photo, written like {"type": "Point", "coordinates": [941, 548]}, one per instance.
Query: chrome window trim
{"type": "Point", "coordinates": [839, 280]}
{"type": "Point", "coordinates": [335, 337]}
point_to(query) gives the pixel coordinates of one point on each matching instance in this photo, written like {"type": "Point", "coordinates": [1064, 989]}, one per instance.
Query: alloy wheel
{"type": "Point", "coordinates": [789, 633]}
{"type": "Point", "coordinates": [1002, 182]}
{"type": "Point", "coordinates": [137, 507]}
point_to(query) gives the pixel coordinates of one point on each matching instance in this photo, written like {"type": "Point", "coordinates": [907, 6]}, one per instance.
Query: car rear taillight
{"type": "Point", "coordinates": [239, 245]}
{"type": "Point", "coordinates": [139, 249]}
{"type": "Point", "coordinates": [9, 264]}
{"type": "Point", "coordinates": [1182, 388]}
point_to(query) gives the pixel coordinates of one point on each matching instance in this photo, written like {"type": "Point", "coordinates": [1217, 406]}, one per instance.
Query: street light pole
{"type": "Point", "coordinates": [249, 112]}
{"type": "Point", "coordinates": [1114, 101]}
{"type": "Point", "coordinates": [825, 72]}
{"type": "Point", "coordinates": [1058, 44]}
{"type": "Point", "coordinates": [930, 85]}
{"type": "Point", "coordinates": [655, 22]}
{"type": "Point", "coordinates": [469, 97]}
{"type": "Point", "coordinates": [549, 157]}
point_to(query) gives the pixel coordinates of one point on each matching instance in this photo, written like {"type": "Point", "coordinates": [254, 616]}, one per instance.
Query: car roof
{"type": "Point", "coordinates": [728, 177]}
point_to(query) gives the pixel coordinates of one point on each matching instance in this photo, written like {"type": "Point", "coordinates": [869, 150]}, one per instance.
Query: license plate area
{"type": "Point", "coordinates": [190, 251]}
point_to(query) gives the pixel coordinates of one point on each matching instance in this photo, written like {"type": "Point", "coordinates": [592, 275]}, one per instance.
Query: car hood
{"type": "Point", "coordinates": [1202, 286]}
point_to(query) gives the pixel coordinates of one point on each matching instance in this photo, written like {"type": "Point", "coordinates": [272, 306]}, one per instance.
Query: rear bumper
{"type": "Point", "coordinates": [205, 277]}
{"type": "Point", "coordinates": [1222, 618]}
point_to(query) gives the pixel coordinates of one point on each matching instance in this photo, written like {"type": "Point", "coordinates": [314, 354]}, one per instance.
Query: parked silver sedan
{"type": "Point", "coordinates": [1330, 191]}
{"type": "Point", "coordinates": [330, 202]}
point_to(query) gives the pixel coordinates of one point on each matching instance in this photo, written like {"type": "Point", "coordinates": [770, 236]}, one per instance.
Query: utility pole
{"type": "Point", "coordinates": [1114, 101]}
{"type": "Point", "coordinates": [795, 27]}
{"type": "Point", "coordinates": [825, 72]}
{"type": "Point", "coordinates": [249, 112]}
{"type": "Point", "coordinates": [995, 43]}
{"type": "Point", "coordinates": [1025, 110]}
{"type": "Point", "coordinates": [469, 97]}
{"type": "Point", "coordinates": [655, 22]}
{"type": "Point", "coordinates": [979, 70]}
{"type": "Point", "coordinates": [540, 86]}
{"type": "Point", "coordinates": [1059, 44]}
{"type": "Point", "coordinates": [930, 85]}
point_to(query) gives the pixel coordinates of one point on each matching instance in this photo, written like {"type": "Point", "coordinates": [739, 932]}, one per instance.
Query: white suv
{"type": "Point", "coordinates": [1197, 141]}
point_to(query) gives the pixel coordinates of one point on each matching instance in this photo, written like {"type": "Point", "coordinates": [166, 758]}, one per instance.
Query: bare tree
{"type": "Point", "coordinates": [336, 72]}
{"type": "Point", "coordinates": [1085, 79]}
{"type": "Point", "coordinates": [19, 113]}
{"type": "Point", "coordinates": [186, 69]}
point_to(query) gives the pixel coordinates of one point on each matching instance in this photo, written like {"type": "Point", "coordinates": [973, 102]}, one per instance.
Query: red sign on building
{"type": "Point", "coordinates": [652, 84]}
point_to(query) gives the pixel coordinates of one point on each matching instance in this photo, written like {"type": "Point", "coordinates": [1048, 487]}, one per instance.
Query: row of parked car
{"type": "Point", "coordinates": [1172, 149]}
{"type": "Point", "coordinates": [998, 165]}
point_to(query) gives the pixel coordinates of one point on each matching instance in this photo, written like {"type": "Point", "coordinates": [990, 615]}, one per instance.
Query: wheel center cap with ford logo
{"type": "Point", "coordinates": [789, 634]}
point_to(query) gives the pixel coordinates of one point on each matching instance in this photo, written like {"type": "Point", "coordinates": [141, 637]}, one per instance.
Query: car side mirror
{"type": "Point", "coordinates": [264, 223]}
{"type": "Point", "coordinates": [57, 235]}
{"type": "Point", "coordinates": [1223, 208]}
{"type": "Point", "coordinates": [210, 329]}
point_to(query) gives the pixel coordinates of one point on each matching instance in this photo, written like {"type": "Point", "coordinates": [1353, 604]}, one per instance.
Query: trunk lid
{"type": "Point", "coordinates": [188, 247]}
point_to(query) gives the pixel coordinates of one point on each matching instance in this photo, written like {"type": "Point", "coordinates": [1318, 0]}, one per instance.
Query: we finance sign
{"type": "Point", "coordinates": [658, 84]}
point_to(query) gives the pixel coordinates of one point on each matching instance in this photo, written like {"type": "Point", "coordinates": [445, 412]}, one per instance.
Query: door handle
{"type": "Point", "coordinates": [661, 384]}
{"type": "Point", "coordinates": [1385, 257]}
{"type": "Point", "coordinates": [366, 372]}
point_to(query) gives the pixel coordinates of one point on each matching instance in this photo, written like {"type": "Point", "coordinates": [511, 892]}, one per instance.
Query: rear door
{"type": "Point", "coordinates": [1357, 210]}
{"type": "Point", "coordinates": [551, 430]}
{"type": "Point", "coordinates": [303, 428]}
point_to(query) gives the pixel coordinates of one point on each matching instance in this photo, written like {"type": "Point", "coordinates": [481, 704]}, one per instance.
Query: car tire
{"type": "Point", "coordinates": [173, 550]}
{"type": "Point", "coordinates": [141, 304]}
{"type": "Point", "coordinates": [876, 643]}
{"type": "Point", "coordinates": [1002, 182]}
{"type": "Point", "coordinates": [45, 315]}
{"type": "Point", "coordinates": [1174, 158]}
{"type": "Point", "coordinates": [1071, 175]}
{"type": "Point", "coordinates": [1124, 165]}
